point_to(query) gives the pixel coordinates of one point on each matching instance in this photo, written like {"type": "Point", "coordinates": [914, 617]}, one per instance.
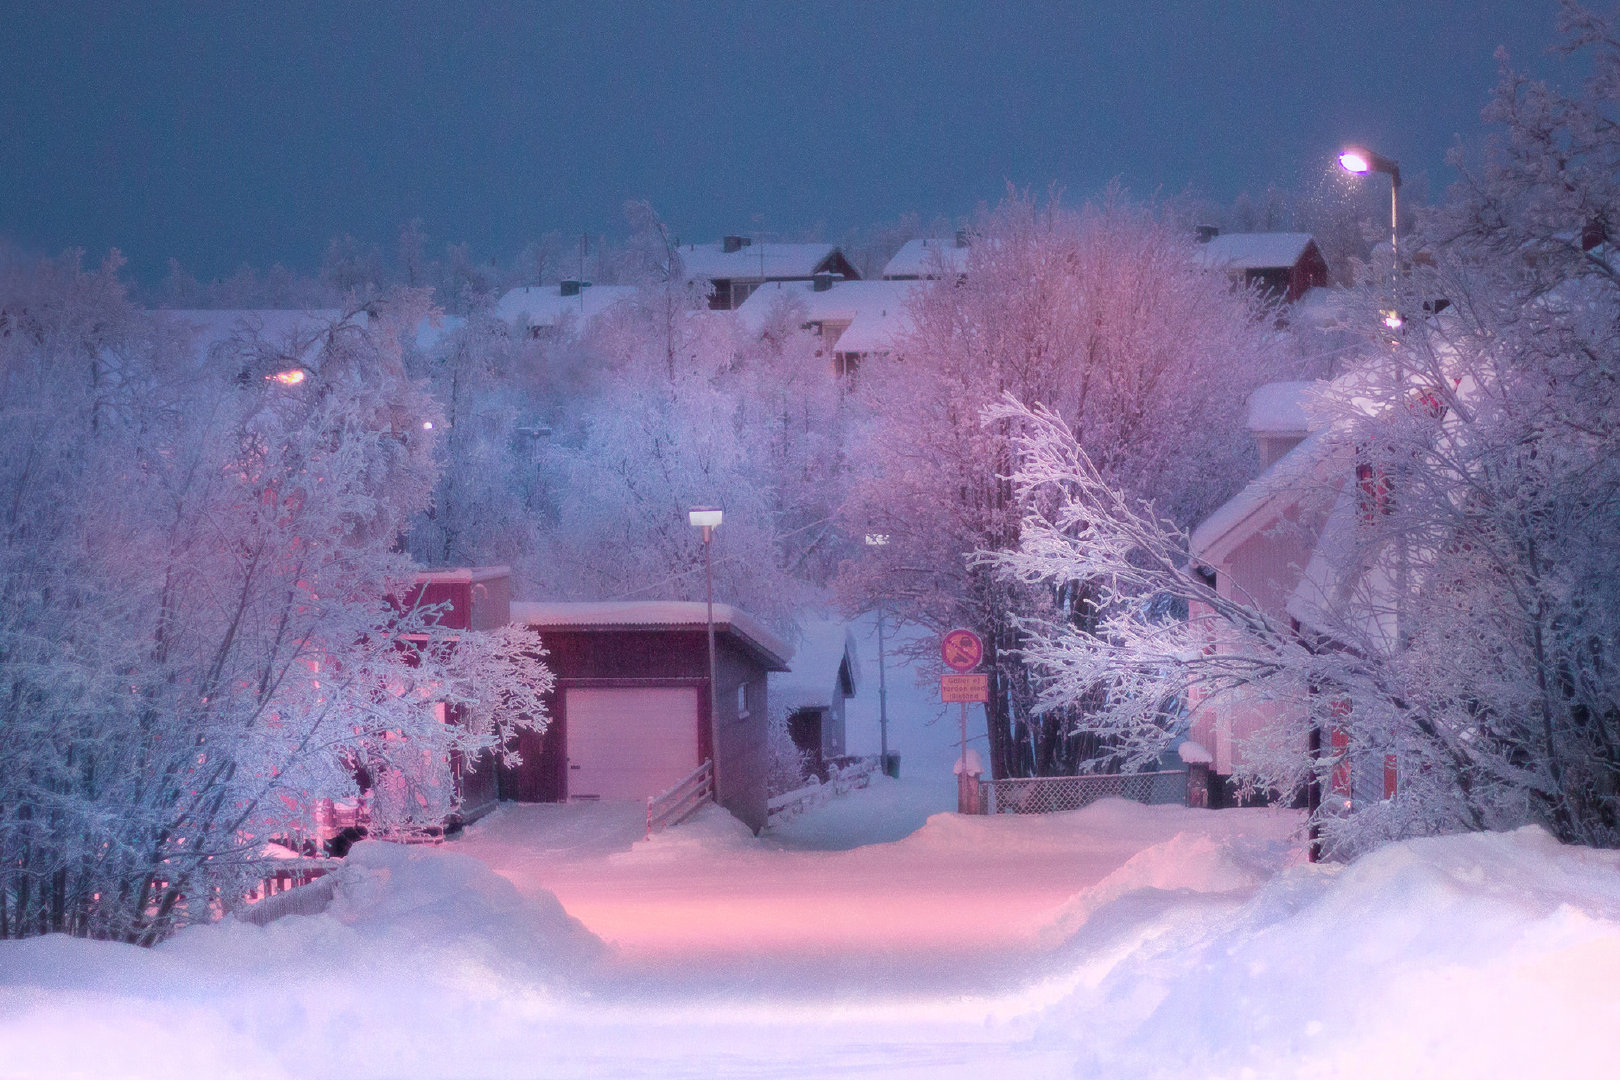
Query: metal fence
{"type": "Point", "coordinates": [1054, 794]}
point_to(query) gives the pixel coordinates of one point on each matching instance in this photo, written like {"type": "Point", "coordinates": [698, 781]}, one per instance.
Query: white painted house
{"type": "Point", "coordinates": [1289, 544]}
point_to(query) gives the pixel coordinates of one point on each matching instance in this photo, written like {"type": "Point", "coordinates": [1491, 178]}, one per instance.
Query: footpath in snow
{"type": "Point", "coordinates": [1117, 941]}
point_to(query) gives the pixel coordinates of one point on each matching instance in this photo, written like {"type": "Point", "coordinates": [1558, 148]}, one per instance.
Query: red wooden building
{"type": "Point", "coordinates": [630, 713]}
{"type": "Point", "coordinates": [1283, 264]}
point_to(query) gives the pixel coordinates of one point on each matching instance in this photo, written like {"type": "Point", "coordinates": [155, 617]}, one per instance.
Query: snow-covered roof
{"type": "Point", "coordinates": [876, 311]}
{"type": "Point", "coordinates": [652, 615]}
{"type": "Point", "coordinates": [928, 258]}
{"type": "Point", "coordinates": [545, 305]}
{"type": "Point", "coordinates": [1360, 596]}
{"type": "Point", "coordinates": [758, 260]}
{"type": "Point", "coordinates": [464, 575]}
{"type": "Point", "coordinates": [1253, 251]}
{"type": "Point", "coordinates": [1292, 477]}
{"type": "Point", "coordinates": [824, 646]}
{"type": "Point", "coordinates": [1284, 408]}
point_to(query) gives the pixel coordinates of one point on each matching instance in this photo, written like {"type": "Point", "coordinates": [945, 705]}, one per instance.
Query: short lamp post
{"type": "Point", "coordinates": [879, 540]}
{"type": "Point", "coordinates": [707, 518]}
{"type": "Point", "coordinates": [1360, 160]}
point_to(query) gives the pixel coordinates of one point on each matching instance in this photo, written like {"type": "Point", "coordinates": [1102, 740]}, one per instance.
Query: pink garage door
{"type": "Point", "coordinates": [629, 744]}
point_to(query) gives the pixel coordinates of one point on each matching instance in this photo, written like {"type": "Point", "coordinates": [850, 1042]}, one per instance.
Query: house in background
{"type": "Point", "coordinates": [921, 260]}
{"type": "Point", "coordinates": [1254, 549]}
{"type": "Point", "coordinates": [544, 311]}
{"type": "Point", "coordinates": [853, 319]}
{"type": "Point", "coordinates": [737, 265]}
{"type": "Point", "coordinates": [1288, 545]}
{"type": "Point", "coordinates": [630, 711]}
{"type": "Point", "coordinates": [826, 674]}
{"type": "Point", "coordinates": [1284, 264]}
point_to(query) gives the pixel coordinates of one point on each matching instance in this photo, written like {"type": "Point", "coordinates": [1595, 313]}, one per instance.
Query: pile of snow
{"type": "Point", "coordinates": [1462, 956]}
{"type": "Point", "coordinates": [415, 950]}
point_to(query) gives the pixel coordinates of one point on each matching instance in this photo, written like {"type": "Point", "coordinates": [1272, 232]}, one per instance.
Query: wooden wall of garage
{"type": "Point", "coordinates": [629, 658]}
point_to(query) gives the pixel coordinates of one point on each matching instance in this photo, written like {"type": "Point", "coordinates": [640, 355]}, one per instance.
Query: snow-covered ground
{"type": "Point", "coordinates": [1118, 941]}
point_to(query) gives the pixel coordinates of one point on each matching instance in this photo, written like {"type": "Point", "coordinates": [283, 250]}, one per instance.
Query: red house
{"type": "Point", "coordinates": [629, 716]}
{"type": "Point", "coordinates": [630, 713]}
{"type": "Point", "coordinates": [1283, 264]}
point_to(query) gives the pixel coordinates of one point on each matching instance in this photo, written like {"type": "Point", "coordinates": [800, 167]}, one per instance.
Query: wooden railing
{"type": "Point", "coordinates": [681, 801]}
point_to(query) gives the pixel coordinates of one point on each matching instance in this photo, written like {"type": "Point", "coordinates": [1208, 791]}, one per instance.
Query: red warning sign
{"type": "Point", "coordinates": [961, 650]}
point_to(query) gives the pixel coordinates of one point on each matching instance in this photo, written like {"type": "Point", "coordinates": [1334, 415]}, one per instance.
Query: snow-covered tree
{"type": "Point", "coordinates": [196, 634]}
{"type": "Point", "coordinates": [1463, 621]}
{"type": "Point", "coordinates": [1099, 314]}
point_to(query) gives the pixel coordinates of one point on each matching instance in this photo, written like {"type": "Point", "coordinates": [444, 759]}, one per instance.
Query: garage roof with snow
{"type": "Point", "coordinates": [772, 652]}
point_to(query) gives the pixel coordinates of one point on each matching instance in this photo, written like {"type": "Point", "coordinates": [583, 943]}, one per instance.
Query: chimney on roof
{"type": "Point", "coordinates": [821, 282]}
{"type": "Point", "coordinates": [1206, 233]}
{"type": "Point", "coordinates": [735, 243]}
{"type": "Point", "coordinates": [569, 288]}
{"type": "Point", "coordinates": [961, 238]}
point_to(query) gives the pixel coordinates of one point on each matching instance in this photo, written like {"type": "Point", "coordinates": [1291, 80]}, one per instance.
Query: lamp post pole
{"type": "Point", "coordinates": [1360, 160]}
{"type": "Point", "coordinates": [708, 519]}
{"type": "Point", "coordinates": [878, 540]}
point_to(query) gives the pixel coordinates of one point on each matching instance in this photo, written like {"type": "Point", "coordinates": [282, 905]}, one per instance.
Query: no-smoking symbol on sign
{"type": "Point", "coordinates": [962, 650]}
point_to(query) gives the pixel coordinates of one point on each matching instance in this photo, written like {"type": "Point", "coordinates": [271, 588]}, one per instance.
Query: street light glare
{"type": "Point", "coordinates": [1355, 161]}
{"type": "Point", "coordinates": [289, 378]}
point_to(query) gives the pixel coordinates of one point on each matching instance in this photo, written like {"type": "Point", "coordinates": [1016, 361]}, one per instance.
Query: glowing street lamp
{"type": "Point", "coordinates": [1360, 160]}
{"type": "Point", "coordinates": [290, 377]}
{"type": "Point", "coordinates": [708, 518]}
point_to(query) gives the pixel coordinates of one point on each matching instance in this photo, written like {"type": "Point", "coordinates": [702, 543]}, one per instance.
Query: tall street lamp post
{"type": "Point", "coordinates": [878, 540]}
{"type": "Point", "coordinates": [707, 518]}
{"type": "Point", "coordinates": [1360, 160]}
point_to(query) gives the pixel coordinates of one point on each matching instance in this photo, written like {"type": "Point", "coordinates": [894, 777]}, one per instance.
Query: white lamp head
{"type": "Point", "coordinates": [704, 517]}
{"type": "Point", "coordinates": [1356, 160]}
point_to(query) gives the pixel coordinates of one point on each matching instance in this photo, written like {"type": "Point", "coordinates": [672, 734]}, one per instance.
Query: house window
{"type": "Point", "coordinates": [742, 701]}
{"type": "Point", "coordinates": [1372, 492]}
{"type": "Point", "coordinates": [740, 291]}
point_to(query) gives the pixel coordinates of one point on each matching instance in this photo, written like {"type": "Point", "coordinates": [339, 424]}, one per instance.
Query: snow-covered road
{"type": "Point", "coordinates": [1119, 941]}
{"type": "Point", "coordinates": [956, 904]}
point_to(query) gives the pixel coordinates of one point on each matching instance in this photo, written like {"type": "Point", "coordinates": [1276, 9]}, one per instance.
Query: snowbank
{"type": "Point", "coordinates": [416, 948]}
{"type": "Point", "coordinates": [1487, 955]}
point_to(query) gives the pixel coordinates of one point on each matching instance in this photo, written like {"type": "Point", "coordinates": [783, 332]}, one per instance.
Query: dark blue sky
{"type": "Point", "coordinates": [228, 133]}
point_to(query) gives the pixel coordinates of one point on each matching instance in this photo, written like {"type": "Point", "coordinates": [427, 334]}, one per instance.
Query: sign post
{"type": "Point", "coordinates": [962, 651]}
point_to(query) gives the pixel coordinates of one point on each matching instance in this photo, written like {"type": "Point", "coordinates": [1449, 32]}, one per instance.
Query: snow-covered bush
{"type": "Point", "coordinates": [787, 767]}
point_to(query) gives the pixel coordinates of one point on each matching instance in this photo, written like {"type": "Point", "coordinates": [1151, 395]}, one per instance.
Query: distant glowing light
{"type": "Point", "coordinates": [1355, 161]}
{"type": "Point", "coordinates": [289, 378]}
{"type": "Point", "coordinates": [427, 425]}
{"type": "Point", "coordinates": [877, 539]}
{"type": "Point", "coordinates": [1393, 320]}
